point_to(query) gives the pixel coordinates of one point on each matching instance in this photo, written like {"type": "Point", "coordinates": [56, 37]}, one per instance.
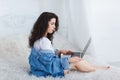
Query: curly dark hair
{"type": "Point", "coordinates": [41, 26]}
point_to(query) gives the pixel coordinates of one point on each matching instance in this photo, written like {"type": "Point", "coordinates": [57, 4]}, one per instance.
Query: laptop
{"type": "Point", "coordinates": [79, 54]}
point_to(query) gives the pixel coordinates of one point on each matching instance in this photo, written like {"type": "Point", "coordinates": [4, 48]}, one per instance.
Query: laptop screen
{"type": "Point", "coordinates": [86, 47]}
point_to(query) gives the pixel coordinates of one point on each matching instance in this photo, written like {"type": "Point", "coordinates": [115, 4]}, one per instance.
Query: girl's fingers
{"type": "Point", "coordinates": [77, 58]}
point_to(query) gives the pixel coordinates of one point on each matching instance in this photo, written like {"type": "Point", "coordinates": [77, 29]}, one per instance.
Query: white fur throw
{"type": "Point", "coordinates": [14, 65]}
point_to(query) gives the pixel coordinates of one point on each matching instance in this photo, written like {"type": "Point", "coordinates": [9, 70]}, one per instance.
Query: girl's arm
{"type": "Point", "coordinates": [64, 52]}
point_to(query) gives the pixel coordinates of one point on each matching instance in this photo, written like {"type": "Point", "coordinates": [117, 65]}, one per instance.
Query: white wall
{"type": "Point", "coordinates": [18, 7]}
{"type": "Point", "coordinates": [18, 16]}
{"type": "Point", "coordinates": [77, 24]}
{"type": "Point", "coordinates": [104, 25]}
{"type": "Point", "coordinates": [105, 29]}
{"type": "Point", "coordinates": [99, 19]}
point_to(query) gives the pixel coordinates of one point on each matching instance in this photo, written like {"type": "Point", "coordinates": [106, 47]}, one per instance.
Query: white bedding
{"type": "Point", "coordinates": [14, 65]}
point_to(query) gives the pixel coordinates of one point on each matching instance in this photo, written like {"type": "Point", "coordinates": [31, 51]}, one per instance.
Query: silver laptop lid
{"type": "Point", "coordinates": [86, 47]}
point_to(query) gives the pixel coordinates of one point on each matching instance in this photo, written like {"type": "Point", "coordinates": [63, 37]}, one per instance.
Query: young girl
{"type": "Point", "coordinates": [44, 60]}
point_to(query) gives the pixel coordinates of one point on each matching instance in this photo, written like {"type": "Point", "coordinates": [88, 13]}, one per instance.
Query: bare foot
{"type": "Point", "coordinates": [103, 67]}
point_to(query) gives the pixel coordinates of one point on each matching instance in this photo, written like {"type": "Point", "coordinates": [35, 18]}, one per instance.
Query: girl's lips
{"type": "Point", "coordinates": [53, 29]}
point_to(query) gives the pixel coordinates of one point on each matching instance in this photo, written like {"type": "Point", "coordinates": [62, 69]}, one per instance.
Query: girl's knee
{"type": "Point", "coordinates": [84, 68]}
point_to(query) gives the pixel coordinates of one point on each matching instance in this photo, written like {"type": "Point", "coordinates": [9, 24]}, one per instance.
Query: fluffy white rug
{"type": "Point", "coordinates": [14, 65]}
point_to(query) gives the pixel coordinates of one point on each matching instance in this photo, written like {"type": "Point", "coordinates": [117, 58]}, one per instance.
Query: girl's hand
{"type": "Point", "coordinates": [74, 59]}
{"type": "Point", "coordinates": [65, 51]}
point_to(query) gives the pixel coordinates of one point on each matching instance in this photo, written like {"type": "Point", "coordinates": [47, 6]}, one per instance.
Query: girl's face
{"type": "Point", "coordinates": [51, 26]}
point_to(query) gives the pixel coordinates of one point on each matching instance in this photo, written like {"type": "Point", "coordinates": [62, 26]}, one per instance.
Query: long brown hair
{"type": "Point", "coordinates": [41, 26]}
